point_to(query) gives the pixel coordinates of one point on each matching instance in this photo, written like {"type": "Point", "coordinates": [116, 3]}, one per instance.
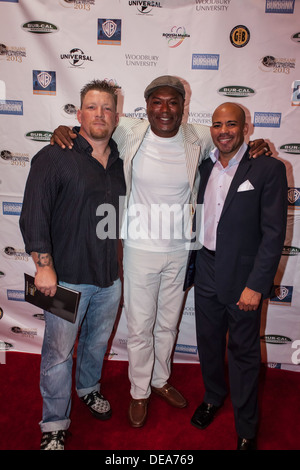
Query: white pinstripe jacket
{"type": "Point", "coordinates": [130, 133]}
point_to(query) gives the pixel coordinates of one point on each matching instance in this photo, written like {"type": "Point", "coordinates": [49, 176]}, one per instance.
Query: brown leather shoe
{"type": "Point", "coordinates": [171, 395]}
{"type": "Point", "coordinates": [137, 412]}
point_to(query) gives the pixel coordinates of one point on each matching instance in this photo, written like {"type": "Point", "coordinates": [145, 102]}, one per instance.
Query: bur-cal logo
{"type": "Point", "coordinates": [39, 27]}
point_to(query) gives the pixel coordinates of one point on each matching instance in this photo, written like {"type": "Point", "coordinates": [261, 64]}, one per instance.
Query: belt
{"type": "Point", "coordinates": [211, 252]}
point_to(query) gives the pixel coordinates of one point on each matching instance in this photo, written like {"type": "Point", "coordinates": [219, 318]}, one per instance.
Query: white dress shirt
{"type": "Point", "coordinates": [215, 194]}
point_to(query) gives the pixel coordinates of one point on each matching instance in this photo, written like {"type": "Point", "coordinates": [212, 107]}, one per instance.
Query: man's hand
{"type": "Point", "coordinates": [259, 147]}
{"type": "Point", "coordinates": [63, 136]}
{"type": "Point", "coordinates": [46, 281]}
{"type": "Point", "coordinates": [249, 300]}
{"type": "Point", "coordinates": [45, 277]}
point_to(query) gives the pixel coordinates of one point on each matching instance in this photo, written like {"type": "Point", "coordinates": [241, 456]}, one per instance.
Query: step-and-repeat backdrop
{"type": "Point", "coordinates": [247, 52]}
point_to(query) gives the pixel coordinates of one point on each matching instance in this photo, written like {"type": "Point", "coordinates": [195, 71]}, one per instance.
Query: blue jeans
{"type": "Point", "coordinates": [96, 315]}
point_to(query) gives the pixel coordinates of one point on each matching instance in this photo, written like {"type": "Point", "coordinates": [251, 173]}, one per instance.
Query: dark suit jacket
{"type": "Point", "coordinates": [251, 230]}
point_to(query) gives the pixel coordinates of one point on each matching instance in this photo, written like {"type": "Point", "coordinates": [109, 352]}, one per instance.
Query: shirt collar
{"type": "Point", "coordinates": [235, 160]}
{"type": "Point", "coordinates": [82, 145]}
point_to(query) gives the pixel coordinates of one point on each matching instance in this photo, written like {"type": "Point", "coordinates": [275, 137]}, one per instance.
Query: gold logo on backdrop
{"type": "Point", "coordinates": [240, 36]}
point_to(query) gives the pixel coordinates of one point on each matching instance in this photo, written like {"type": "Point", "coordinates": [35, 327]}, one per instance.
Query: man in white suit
{"type": "Point", "coordinates": [161, 158]}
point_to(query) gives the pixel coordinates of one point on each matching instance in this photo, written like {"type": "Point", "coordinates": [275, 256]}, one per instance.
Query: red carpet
{"type": "Point", "coordinates": [166, 428]}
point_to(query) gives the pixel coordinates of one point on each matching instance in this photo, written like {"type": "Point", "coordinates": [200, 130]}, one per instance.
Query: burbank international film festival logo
{"type": "Point", "coordinates": [273, 64]}
{"type": "Point", "coordinates": [12, 53]}
{"type": "Point", "coordinates": [78, 4]}
{"type": "Point", "coordinates": [13, 158]}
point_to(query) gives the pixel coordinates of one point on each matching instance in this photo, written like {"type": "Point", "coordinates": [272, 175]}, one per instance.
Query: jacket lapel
{"type": "Point", "coordinates": [134, 139]}
{"type": "Point", "coordinates": [238, 178]}
{"type": "Point", "coordinates": [192, 149]}
{"type": "Point", "coordinates": [205, 171]}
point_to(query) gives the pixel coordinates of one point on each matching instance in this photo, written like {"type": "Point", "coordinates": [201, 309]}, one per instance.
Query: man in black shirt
{"type": "Point", "coordinates": [69, 223]}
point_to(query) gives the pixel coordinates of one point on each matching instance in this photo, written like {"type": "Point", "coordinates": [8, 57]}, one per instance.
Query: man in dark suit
{"type": "Point", "coordinates": [243, 223]}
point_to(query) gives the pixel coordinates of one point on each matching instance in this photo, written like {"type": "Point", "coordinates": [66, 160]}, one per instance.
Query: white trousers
{"type": "Point", "coordinates": [153, 298]}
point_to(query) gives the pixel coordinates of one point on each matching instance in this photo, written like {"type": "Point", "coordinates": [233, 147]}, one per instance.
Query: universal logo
{"type": "Point", "coordinates": [138, 113]}
{"type": "Point", "coordinates": [239, 36]}
{"type": "Point", "coordinates": [39, 27]}
{"type": "Point", "coordinates": [144, 7]}
{"type": "Point", "coordinates": [76, 57]}
{"type": "Point", "coordinates": [236, 91]}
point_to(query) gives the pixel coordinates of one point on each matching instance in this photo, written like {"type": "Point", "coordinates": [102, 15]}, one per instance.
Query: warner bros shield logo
{"type": "Point", "coordinates": [109, 32]}
{"type": "Point", "coordinates": [44, 82]}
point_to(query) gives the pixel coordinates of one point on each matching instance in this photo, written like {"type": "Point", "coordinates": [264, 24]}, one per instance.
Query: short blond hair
{"type": "Point", "coordinates": [100, 85]}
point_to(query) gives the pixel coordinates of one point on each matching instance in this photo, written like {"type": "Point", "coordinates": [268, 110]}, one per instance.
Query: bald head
{"type": "Point", "coordinates": [233, 107]}
{"type": "Point", "coordinates": [228, 129]}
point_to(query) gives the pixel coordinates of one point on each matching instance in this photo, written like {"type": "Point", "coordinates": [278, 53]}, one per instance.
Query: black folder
{"type": "Point", "coordinates": [63, 304]}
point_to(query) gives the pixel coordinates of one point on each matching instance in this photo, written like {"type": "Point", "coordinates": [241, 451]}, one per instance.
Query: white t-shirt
{"type": "Point", "coordinates": [158, 217]}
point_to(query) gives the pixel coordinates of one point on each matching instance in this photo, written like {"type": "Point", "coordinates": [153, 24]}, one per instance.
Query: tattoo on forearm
{"type": "Point", "coordinates": [44, 259]}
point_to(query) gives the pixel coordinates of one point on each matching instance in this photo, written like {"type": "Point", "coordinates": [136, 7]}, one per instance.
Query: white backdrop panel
{"type": "Point", "coordinates": [223, 50]}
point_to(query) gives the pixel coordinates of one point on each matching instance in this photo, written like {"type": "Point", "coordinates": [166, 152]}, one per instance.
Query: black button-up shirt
{"type": "Point", "coordinates": [64, 192]}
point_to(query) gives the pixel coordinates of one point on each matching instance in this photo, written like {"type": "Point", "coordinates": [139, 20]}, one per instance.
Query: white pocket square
{"type": "Point", "coordinates": [246, 186]}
